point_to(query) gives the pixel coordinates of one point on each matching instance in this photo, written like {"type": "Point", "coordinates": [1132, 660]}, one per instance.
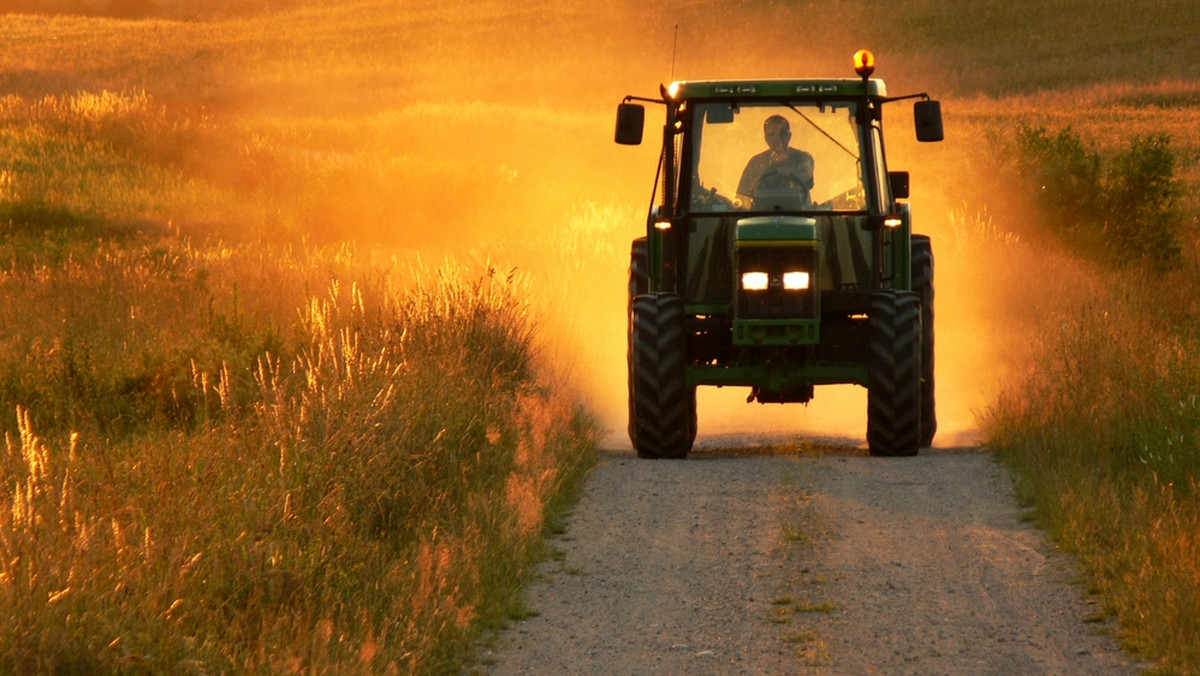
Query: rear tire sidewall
{"type": "Point", "coordinates": [922, 282]}
{"type": "Point", "coordinates": [639, 284]}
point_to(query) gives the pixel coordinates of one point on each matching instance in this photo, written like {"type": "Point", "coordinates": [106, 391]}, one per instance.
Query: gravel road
{"type": "Point", "coordinates": [788, 558]}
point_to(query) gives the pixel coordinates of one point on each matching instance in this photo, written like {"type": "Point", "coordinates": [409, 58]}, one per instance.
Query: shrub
{"type": "Point", "coordinates": [1065, 175]}
{"type": "Point", "coordinates": [1141, 202]}
{"type": "Point", "coordinates": [1116, 211]}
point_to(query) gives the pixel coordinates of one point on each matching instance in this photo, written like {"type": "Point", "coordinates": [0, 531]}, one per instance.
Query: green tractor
{"type": "Point", "coordinates": [779, 256]}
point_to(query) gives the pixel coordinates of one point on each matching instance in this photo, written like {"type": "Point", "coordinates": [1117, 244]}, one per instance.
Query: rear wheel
{"type": "Point", "coordinates": [639, 269]}
{"type": "Point", "coordinates": [639, 284]}
{"type": "Point", "coordinates": [894, 374]}
{"type": "Point", "coordinates": [922, 282]}
{"type": "Point", "coordinates": [662, 408]}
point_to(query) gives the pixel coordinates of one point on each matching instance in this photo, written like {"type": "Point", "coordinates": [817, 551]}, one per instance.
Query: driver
{"type": "Point", "coordinates": [779, 167]}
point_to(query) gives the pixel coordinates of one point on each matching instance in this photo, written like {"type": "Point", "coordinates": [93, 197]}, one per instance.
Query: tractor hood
{"type": "Point", "coordinates": [763, 229]}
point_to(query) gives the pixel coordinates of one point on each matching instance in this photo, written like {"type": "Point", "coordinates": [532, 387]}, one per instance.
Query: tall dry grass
{"type": "Point", "coordinates": [353, 475]}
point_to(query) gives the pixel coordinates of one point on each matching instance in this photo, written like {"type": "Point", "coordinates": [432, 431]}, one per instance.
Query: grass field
{"type": "Point", "coordinates": [254, 254]}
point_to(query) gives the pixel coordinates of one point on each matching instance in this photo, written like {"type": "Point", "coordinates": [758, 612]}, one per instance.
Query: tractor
{"type": "Point", "coordinates": [779, 255]}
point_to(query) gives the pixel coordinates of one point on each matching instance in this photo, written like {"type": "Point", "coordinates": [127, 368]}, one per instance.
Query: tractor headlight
{"type": "Point", "coordinates": [755, 281]}
{"type": "Point", "coordinates": [795, 281]}
{"type": "Point", "coordinates": [777, 280]}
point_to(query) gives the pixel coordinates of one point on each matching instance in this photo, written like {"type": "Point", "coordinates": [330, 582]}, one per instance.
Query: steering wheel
{"type": "Point", "coordinates": [777, 183]}
{"type": "Point", "coordinates": [775, 178]}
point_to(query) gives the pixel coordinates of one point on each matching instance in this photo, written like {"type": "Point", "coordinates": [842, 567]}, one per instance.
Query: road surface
{"type": "Point", "coordinates": [793, 558]}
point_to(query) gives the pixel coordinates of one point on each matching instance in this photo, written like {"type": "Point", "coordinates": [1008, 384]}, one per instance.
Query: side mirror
{"type": "Point", "coordinates": [928, 117]}
{"type": "Point", "coordinates": [898, 182]}
{"type": "Point", "coordinates": [631, 120]}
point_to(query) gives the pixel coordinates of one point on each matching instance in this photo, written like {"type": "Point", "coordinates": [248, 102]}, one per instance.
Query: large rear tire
{"type": "Point", "coordinates": [639, 269]}
{"type": "Point", "coordinates": [662, 408]}
{"type": "Point", "coordinates": [639, 284]}
{"type": "Point", "coordinates": [894, 374]}
{"type": "Point", "coordinates": [922, 282]}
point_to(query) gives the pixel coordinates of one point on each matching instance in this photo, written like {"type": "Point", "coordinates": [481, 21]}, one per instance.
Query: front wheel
{"type": "Point", "coordinates": [894, 374]}
{"type": "Point", "coordinates": [662, 408]}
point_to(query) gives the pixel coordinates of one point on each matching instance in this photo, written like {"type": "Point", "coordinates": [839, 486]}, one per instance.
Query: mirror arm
{"type": "Point", "coordinates": [629, 98]}
{"type": "Point", "coordinates": [924, 96]}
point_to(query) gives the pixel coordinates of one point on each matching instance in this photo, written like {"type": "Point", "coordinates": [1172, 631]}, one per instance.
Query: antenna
{"type": "Point", "coordinates": [674, 51]}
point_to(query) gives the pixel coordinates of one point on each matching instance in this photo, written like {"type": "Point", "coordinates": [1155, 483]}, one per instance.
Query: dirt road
{"type": "Point", "coordinates": [783, 559]}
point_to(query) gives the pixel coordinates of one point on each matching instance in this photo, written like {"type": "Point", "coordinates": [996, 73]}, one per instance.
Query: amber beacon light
{"type": "Point", "coordinates": [864, 62]}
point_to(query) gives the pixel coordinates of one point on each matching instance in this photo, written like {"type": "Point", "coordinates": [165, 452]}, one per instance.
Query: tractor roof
{"type": "Point", "coordinates": [745, 90]}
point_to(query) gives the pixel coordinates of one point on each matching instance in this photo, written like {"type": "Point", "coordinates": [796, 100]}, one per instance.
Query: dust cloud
{"type": "Point", "coordinates": [482, 132]}
{"type": "Point", "coordinates": [572, 200]}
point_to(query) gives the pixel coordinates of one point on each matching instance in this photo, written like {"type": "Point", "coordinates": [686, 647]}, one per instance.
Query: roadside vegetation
{"type": "Point", "coordinates": [1074, 204]}
{"type": "Point", "coordinates": [351, 472]}
{"type": "Point", "coordinates": [1093, 240]}
{"type": "Point", "coordinates": [262, 411]}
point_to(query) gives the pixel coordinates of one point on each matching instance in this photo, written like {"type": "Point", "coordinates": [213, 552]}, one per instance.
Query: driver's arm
{"type": "Point", "coordinates": [802, 169]}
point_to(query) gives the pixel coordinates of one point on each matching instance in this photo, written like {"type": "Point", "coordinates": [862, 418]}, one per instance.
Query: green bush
{"type": "Point", "coordinates": [1141, 202]}
{"type": "Point", "coordinates": [1115, 211]}
{"type": "Point", "coordinates": [1065, 175]}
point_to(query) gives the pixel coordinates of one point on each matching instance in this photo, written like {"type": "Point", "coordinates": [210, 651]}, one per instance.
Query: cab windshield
{"type": "Point", "coordinates": [800, 156]}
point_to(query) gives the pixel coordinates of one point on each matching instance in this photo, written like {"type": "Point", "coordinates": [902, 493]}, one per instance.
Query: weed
{"type": "Point", "coordinates": [802, 636]}
{"type": "Point", "coordinates": [796, 534]}
{"type": "Point", "coordinates": [822, 607]}
{"type": "Point", "coordinates": [780, 615]}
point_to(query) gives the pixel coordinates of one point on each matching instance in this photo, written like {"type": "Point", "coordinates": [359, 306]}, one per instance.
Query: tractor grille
{"type": "Point", "coordinates": [775, 301]}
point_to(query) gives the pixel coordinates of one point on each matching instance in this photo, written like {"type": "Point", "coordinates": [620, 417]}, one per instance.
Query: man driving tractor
{"type": "Point", "coordinates": [778, 169]}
